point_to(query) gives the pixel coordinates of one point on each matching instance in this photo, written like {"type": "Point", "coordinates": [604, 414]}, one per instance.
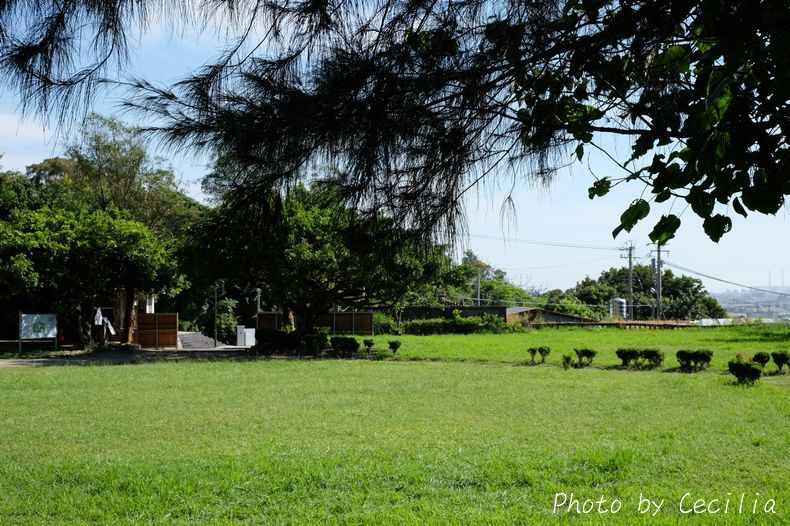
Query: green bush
{"type": "Point", "coordinates": [702, 358]}
{"type": "Point", "coordinates": [651, 358]}
{"type": "Point", "coordinates": [567, 361]}
{"type": "Point", "coordinates": [269, 342]}
{"type": "Point", "coordinates": [344, 346]}
{"type": "Point", "coordinates": [394, 345]}
{"type": "Point", "coordinates": [781, 358]}
{"type": "Point", "coordinates": [533, 352]}
{"type": "Point", "coordinates": [544, 353]}
{"type": "Point", "coordinates": [385, 324]}
{"type": "Point", "coordinates": [585, 356]}
{"type": "Point", "coordinates": [314, 343]}
{"type": "Point", "coordinates": [745, 372]}
{"type": "Point", "coordinates": [188, 326]}
{"type": "Point", "coordinates": [488, 323]}
{"type": "Point", "coordinates": [368, 343]}
{"type": "Point", "coordinates": [761, 358]}
{"type": "Point", "coordinates": [691, 361]}
{"type": "Point", "coordinates": [627, 356]}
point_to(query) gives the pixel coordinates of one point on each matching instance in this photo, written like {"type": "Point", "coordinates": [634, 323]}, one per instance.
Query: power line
{"type": "Point", "coordinates": [607, 258]}
{"type": "Point", "coordinates": [685, 269]}
{"type": "Point", "coordinates": [547, 243]}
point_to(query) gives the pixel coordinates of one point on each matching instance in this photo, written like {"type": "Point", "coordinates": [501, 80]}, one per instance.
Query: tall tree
{"type": "Point", "coordinates": [419, 101]}
{"type": "Point", "coordinates": [317, 254]}
{"type": "Point", "coordinates": [68, 260]}
{"type": "Point", "coordinates": [111, 166]}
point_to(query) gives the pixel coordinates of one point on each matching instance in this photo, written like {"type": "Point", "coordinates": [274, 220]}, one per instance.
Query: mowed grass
{"type": "Point", "coordinates": [333, 441]}
{"type": "Point", "coordinates": [725, 342]}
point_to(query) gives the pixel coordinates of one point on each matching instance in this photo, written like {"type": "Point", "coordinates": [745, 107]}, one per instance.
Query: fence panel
{"type": "Point", "coordinates": [157, 330]}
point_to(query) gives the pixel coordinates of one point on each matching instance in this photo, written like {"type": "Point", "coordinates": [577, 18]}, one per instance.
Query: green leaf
{"type": "Point", "coordinates": [600, 188]}
{"type": "Point", "coordinates": [716, 226]}
{"type": "Point", "coordinates": [701, 202]}
{"type": "Point", "coordinates": [636, 212]}
{"type": "Point", "coordinates": [738, 207]}
{"type": "Point", "coordinates": [665, 229]}
{"type": "Point", "coordinates": [580, 151]}
{"type": "Point", "coordinates": [663, 195]}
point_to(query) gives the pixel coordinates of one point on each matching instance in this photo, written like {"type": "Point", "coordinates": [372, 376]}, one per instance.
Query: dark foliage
{"type": "Point", "coordinates": [745, 372]}
{"type": "Point", "coordinates": [781, 358]}
{"type": "Point", "coordinates": [693, 360]}
{"type": "Point", "coordinates": [394, 345]}
{"type": "Point", "coordinates": [458, 325]}
{"type": "Point", "coordinates": [627, 356]}
{"type": "Point", "coordinates": [585, 356]}
{"type": "Point", "coordinates": [761, 358]}
{"type": "Point", "coordinates": [344, 346]}
{"type": "Point", "coordinates": [420, 101]}
{"type": "Point", "coordinates": [544, 353]}
{"type": "Point", "coordinates": [270, 342]}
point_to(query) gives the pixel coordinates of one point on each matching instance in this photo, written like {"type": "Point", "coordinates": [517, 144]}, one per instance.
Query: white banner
{"type": "Point", "coordinates": [38, 326]}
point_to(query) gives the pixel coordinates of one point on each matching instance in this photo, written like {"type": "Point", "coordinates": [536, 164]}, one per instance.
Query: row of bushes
{"type": "Point", "coordinates": [268, 342]}
{"type": "Point", "coordinates": [485, 324]}
{"type": "Point", "coordinates": [640, 358]}
{"type": "Point", "coordinates": [584, 358]}
{"type": "Point", "coordinates": [694, 360]}
{"type": "Point", "coordinates": [749, 371]}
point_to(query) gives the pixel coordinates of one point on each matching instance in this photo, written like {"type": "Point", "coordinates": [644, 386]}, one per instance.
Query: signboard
{"type": "Point", "coordinates": [38, 326]}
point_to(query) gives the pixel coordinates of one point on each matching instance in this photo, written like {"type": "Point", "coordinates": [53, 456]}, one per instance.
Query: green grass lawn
{"type": "Point", "coordinates": [316, 441]}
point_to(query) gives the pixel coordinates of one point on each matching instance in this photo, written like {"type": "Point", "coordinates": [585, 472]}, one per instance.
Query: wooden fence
{"type": "Point", "coordinates": [336, 322]}
{"type": "Point", "coordinates": [157, 330]}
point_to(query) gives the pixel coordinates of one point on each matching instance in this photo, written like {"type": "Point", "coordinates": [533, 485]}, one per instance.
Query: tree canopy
{"type": "Point", "coordinates": [316, 255]}
{"type": "Point", "coordinates": [418, 101]}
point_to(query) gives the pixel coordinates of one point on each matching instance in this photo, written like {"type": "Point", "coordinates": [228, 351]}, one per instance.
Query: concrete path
{"type": "Point", "coordinates": [126, 357]}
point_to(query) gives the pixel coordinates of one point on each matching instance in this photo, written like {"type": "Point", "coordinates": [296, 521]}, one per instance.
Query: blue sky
{"type": "Point", "coordinates": [561, 212]}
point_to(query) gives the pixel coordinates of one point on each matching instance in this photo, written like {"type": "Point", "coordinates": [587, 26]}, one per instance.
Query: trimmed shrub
{"type": "Point", "coordinates": [368, 343]}
{"type": "Point", "coordinates": [544, 353]}
{"type": "Point", "coordinates": [533, 351]}
{"type": "Point", "coordinates": [652, 357]}
{"type": "Point", "coordinates": [702, 358]}
{"type": "Point", "coordinates": [691, 361]}
{"type": "Point", "coordinates": [585, 356]}
{"type": "Point", "coordinates": [314, 343]}
{"type": "Point", "coordinates": [344, 346]}
{"type": "Point", "coordinates": [627, 356]}
{"type": "Point", "coordinates": [685, 360]}
{"type": "Point", "coordinates": [567, 361]}
{"type": "Point", "coordinates": [394, 345]}
{"type": "Point", "coordinates": [761, 358]}
{"type": "Point", "coordinates": [745, 372]}
{"type": "Point", "coordinates": [268, 341]}
{"type": "Point", "coordinates": [781, 358]}
{"type": "Point", "coordinates": [385, 324]}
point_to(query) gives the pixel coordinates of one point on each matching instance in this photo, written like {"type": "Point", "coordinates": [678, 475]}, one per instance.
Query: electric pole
{"type": "Point", "coordinates": [658, 269]}
{"type": "Point", "coordinates": [630, 249]}
{"type": "Point", "coordinates": [658, 281]}
{"type": "Point", "coordinates": [215, 314]}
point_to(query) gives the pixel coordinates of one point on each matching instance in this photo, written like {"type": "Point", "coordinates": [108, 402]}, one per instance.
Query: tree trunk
{"type": "Point", "coordinates": [129, 317]}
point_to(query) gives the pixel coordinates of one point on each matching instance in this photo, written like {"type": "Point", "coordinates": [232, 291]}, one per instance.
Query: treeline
{"type": "Point", "coordinates": [108, 216]}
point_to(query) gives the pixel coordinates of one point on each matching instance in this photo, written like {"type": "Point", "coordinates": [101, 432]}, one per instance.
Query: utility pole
{"type": "Point", "coordinates": [630, 249]}
{"type": "Point", "coordinates": [478, 289]}
{"type": "Point", "coordinates": [658, 270]}
{"type": "Point", "coordinates": [659, 313]}
{"type": "Point", "coordinates": [258, 307]}
{"type": "Point", "coordinates": [215, 313]}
